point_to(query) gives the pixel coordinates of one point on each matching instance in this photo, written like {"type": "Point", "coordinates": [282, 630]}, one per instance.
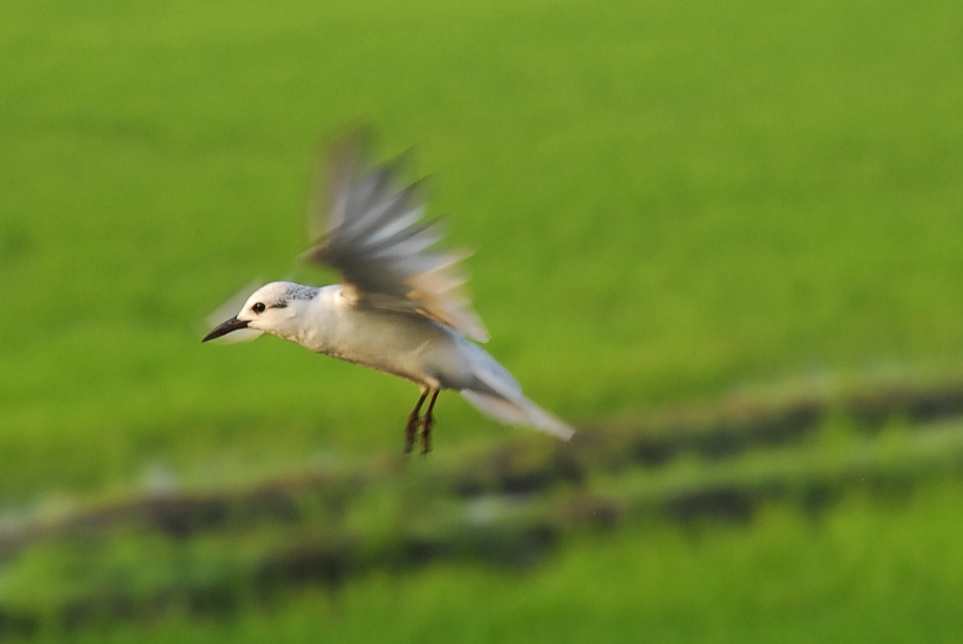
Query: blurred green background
{"type": "Point", "coordinates": [689, 216]}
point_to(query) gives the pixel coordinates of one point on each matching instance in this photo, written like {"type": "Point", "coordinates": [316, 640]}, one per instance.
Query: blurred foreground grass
{"type": "Point", "coordinates": [864, 574]}
{"type": "Point", "coordinates": [229, 555]}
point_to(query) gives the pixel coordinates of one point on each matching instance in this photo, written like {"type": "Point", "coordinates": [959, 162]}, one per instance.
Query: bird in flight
{"type": "Point", "coordinates": [399, 308]}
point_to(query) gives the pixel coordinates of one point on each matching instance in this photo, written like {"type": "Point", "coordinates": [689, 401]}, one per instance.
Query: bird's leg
{"type": "Point", "coordinates": [427, 422]}
{"type": "Point", "coordinates": [413, 422]}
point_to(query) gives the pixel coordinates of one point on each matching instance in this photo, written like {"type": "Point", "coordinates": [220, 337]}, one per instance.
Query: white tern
{"type": "Point", "coordinates": [400, 307]}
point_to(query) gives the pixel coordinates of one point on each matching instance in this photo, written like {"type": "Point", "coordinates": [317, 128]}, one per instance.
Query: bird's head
{"type": "Point", "coordinates": [270, 309]}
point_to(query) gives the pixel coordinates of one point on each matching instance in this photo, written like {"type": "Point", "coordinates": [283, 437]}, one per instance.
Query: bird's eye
{"type": "Point", "coordinates": [259, 307]}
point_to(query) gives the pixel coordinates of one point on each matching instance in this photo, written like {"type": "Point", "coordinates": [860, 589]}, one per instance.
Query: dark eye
{"type": "Point", "coordinates": [259, 307]}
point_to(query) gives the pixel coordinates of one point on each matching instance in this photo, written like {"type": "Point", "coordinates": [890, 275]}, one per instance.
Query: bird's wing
{"type": "Point", "coordinates": [371, 231]}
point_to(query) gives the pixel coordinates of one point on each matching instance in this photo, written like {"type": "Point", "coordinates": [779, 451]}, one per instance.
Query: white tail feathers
{"type": "Point", "coordinates": [497, 394]}
{"type": "Point", "coordinates": [519, 411]}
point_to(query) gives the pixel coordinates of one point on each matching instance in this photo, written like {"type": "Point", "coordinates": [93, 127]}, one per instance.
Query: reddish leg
{"type": "Point", "coordinates": [427, 422]}
{"type": "Point", "coordinates": [413, 422]}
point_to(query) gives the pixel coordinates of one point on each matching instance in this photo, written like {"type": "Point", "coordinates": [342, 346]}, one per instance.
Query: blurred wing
{"type": "Point", "coordinates": [372, 233]}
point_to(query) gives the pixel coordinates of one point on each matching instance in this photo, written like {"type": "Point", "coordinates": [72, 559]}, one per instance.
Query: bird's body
{"type": "Point", "coordinates": [402, 344]}
{"type": "Point", "coordinates": [399, 308]}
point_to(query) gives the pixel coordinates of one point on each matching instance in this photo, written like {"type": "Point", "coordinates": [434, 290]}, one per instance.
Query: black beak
{"type": "Point", "coordinates": [223, 329]}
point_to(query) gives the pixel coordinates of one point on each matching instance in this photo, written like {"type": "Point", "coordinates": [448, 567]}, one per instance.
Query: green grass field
{"type": "Point", "coordinates": [672, 203]}
{"type": "Point", "coordinates": [786, 581]}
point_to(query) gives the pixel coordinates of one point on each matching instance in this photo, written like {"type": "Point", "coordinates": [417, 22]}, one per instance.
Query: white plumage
{"type": "Point", "coordinates": [400, 307]}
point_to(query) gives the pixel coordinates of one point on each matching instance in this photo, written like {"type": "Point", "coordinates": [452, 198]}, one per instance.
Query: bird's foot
{"type": "Point", "coordinates": [410, 431]}
{"type": "Point", "coordinates": [427, 422]}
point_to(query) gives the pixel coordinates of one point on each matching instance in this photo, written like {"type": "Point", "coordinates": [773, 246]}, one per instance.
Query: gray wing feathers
{"type": "Point", "coordinates": [373, 234]}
